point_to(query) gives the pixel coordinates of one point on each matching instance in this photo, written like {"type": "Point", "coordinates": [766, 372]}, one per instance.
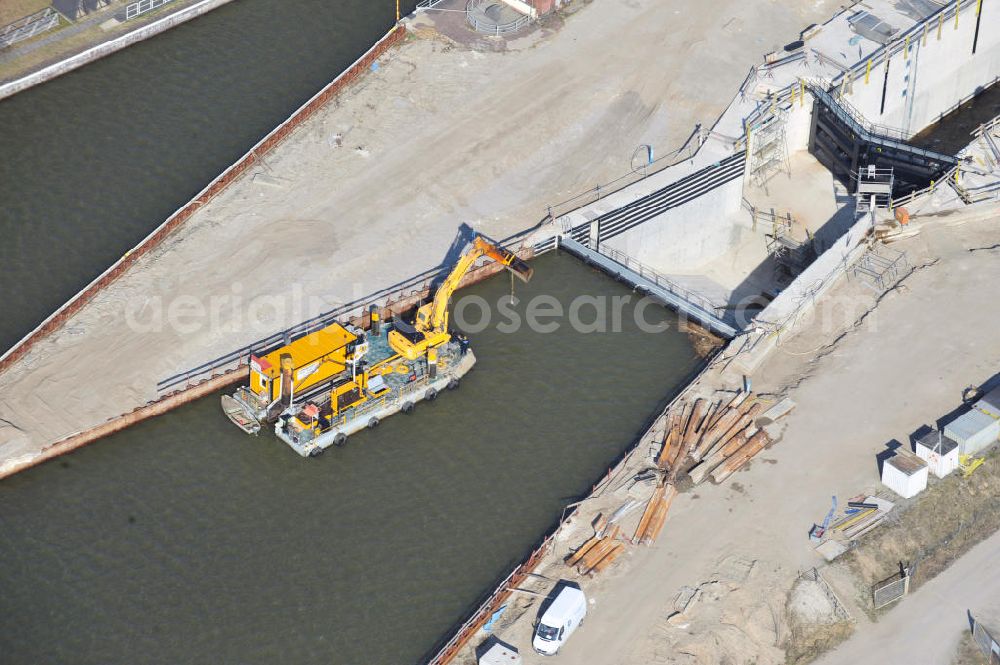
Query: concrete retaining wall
{"type": "Point", "coordinates": [226, 178]}
{"type": "Point", "coordinates": [109, 47]}
{"type": "Point", "coordinates": [799, 298]}
{"type": "Point", "coordinates": [936, 72]}
{"type": "Point", "coordinates": [799, 123]}
{"type": "Point", "coordinates": [684, 238]}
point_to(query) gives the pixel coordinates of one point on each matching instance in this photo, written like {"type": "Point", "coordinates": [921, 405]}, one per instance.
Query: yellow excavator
{"type": "Point", "coordinates": [430, 326]}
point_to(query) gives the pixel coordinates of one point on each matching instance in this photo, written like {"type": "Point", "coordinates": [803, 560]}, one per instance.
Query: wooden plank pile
{"type": "Point", "coordinates": [597, 553]}
{"type": "Point", "coordinates": [705, 437]}
{"type": "Point", "coordinates": [655, 515]}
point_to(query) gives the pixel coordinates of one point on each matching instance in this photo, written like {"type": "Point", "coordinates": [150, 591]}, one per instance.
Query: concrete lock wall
{"type": "Point", "coordinates": [799, 123]}
{"type": "Point", "coordinates": [799, 298]}
{"type": "Point", "coordinates": [688, 236]}
{"type": "Point", "coordinates": [932, 72]}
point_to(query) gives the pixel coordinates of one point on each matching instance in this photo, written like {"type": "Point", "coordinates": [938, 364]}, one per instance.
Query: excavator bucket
{"type": "Point", "coordinates": [520, 268]}
{"type": "Point", "coordinates": [506, 258]}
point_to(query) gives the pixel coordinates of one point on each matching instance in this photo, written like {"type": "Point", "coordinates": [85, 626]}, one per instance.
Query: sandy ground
{"type": "Point", "coordinates": [374, 189]}
{"type": "Point", "coordinates": [857, 387]}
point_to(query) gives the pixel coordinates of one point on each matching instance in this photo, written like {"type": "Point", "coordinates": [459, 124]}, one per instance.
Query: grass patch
{"type": "Point", "coordinates": [808, 642]}
{"type": "Point", "coordinates": [12, 10]}
{"type": "Point", "coordinates": [968, 652]}
{"type": "Point", "coordinates": [942, 523]}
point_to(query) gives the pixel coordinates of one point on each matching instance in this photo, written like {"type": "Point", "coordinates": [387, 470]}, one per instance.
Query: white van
{"type": "Point", "coordinates": [562, 617]}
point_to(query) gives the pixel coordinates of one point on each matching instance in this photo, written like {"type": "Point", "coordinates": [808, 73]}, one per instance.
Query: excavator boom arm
{"type": "Point", "coordinates": [434, 315]}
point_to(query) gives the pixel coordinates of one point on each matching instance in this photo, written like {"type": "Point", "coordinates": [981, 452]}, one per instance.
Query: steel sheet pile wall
{"type": "Point", "coordinates": [228, 177]}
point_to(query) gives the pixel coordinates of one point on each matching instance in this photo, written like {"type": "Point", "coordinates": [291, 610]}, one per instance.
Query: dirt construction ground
{"type": "Point", "coordinates": [374, 189]}
{"type": "Point", "coordinates": [863, 372]}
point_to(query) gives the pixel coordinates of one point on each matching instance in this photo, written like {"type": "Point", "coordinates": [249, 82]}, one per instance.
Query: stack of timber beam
{"type": "Point", "coordinates": [732, 418]}
{"type": "Point", "coordinates": [655, 515]}
{"type": "Point", "coordinates": [744, 454]}
{"type": "Point", "coordinates": [717, 436]}
{"type": "Point", "coordinates": [597, 553]}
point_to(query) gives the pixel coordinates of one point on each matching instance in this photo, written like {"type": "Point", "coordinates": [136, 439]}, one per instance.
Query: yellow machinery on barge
{"type": "Point", "coordinates": [331, 383]}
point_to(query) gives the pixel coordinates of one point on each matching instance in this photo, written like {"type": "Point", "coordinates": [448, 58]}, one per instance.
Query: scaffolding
{"type": "Point", "coordinates": [768, 148]}
{"type": "Point", "coordinates": [874, 189]}
{"type": "Point", "coordinates": [790, 256]}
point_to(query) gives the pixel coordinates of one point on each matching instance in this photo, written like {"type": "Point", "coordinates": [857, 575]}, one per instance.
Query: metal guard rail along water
{"type": "Point", "coordinates": [226, 178]}
{"type": "Point", "coordinates": [395, 299]}
{"type": "Point", "coordinates": [704, 316]}
{"type": "Point", "coordinates": [143, 6]}
{"type": "Point", "coordinates": [660, 280]}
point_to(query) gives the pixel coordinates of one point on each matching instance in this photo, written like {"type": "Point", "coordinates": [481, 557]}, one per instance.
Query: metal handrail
{"type": "Point", "coordinates": [858, 68]}
{"type": "Point", "coordinates": [871, 132]}
{"type": "Point", "coordinates": [142, 7]}
{"type": "Point", "coordinates": [986, 127]}
{"type": "Point", "coordinates": [491, 28]}
{"type": "Point", "coordinates": [659, 279]}
{"type": "Point", "coordinates": [635, 175]}
{"type": "Point", "coordinates": [871, 127]}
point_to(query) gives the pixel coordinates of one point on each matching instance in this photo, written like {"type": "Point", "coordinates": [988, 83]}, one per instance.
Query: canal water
{"type": "Point", "coordinates": [953, 132]}
{"type": "Point", "coordinates": [96, 159]}
{"type": "Point", "coordinates": [182, 540]}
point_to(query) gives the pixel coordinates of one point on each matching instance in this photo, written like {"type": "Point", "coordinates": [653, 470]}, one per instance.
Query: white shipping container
{"type": "Point", "coordinates": [905, 474]}
{"type": "Point", "coordinates": [973, 431]}
{"type": "Point", "coordinates": [940, 453]}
